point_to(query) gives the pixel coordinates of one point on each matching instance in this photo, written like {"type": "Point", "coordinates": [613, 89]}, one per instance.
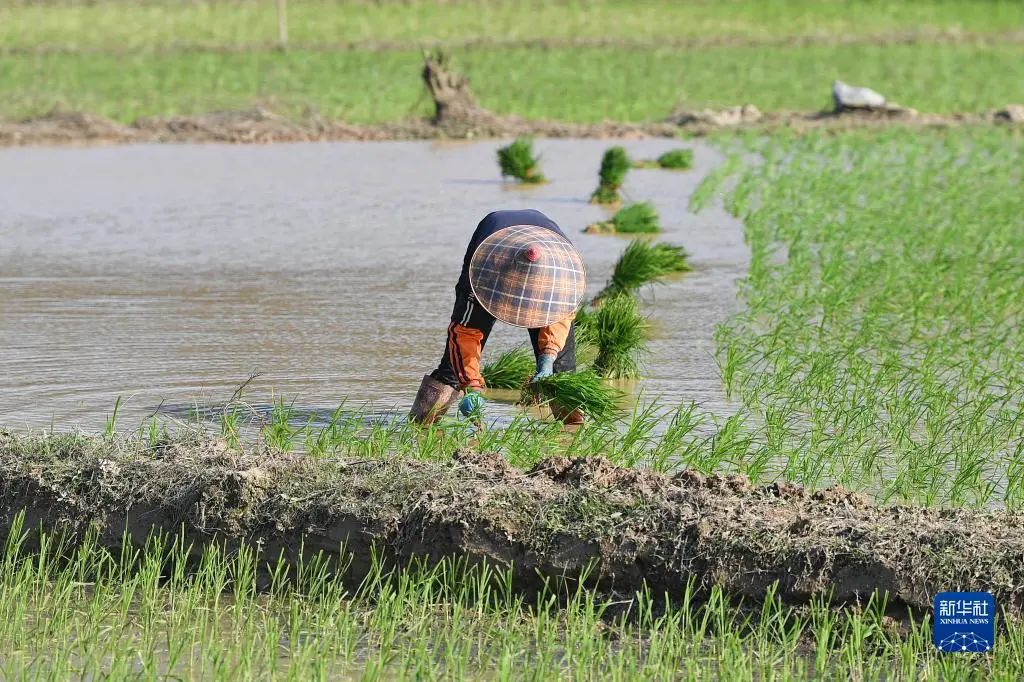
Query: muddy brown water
{"type": "Point", "coordinates": [166, 274]}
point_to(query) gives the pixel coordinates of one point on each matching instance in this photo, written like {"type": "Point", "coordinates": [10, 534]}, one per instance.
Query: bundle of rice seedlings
{"type": "Point", "coordinates": [677, 159]}
{"type": "Point", "coordinates": [614, 166]}
{"type": "Point", "coordinates": [511, 369]}
{"type": "Point", "coordinates": [620, 333]}
{"type": "Point", "coordinates": [586, 346]}
{"type": "Point", "coordinates": [642, 263]}
{"type": "Point", "coordinates": [517, 161]}
{"type": "Point", "coordinates": [636, 218]}
{"type": "Point", "coordinates": [584, 391]}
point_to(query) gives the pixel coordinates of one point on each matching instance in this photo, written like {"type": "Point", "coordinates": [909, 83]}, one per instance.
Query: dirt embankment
{"type": "Point", "coordinates": [554, 521]}
{"type": "Point", "coordinates": [259, 126]}
{"type": "Point", "coordinates": [456, 115]}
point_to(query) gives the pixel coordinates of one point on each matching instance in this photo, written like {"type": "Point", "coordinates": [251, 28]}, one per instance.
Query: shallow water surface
{"type": "Point", "coordinates": [167, 274]}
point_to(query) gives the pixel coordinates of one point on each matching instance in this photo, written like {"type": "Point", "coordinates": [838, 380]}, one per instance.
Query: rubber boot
{"type": "Point", "coordinates": [432, 401]}
{"type": "Point", "coordinates": [566, 416]}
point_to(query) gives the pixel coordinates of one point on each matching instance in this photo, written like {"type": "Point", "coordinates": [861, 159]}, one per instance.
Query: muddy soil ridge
{"type": "Point", "coordinates": [456, 115]}
{"type": "Point", "coordinates": [555, 521]}
{"type": "Point", "coordinates": [262, 126]}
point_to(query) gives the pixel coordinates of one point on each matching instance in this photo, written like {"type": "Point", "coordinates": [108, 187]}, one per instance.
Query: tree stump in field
{"type": "Point", "coordinates": [455, 109]}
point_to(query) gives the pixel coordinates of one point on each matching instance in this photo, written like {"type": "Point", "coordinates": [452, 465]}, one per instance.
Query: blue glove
{"type": "Point", "coordinates": [472, 404]}
{"type": "Point", "coordinates": [545, 367]}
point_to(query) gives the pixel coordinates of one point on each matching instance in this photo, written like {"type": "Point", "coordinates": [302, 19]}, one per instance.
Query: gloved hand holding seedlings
{"type": "Point", "coordinates": [545, 368]}
{"type": "Point", "coordinates": [472, 404]}
{"type": "Point", "coordinates": [519, 268]}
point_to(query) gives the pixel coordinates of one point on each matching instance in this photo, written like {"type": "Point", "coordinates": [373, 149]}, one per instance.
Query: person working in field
{"type": "Point", "coordinates": [521, 269]}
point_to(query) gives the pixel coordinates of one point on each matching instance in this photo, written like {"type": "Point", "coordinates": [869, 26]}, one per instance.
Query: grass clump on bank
{"type": "Point", "coordinates": [510, 370]}
{"type": "Point", "coordinates": [638, 218]}
{"type": "Point", "coordinates": [518, 161]}
{"type": "Point", "coordinates": [643, 263]}
{"type": "Point", "coordinates": [614, 167]}
{"type": "Point", "coordinates": [98, 603]}
{"type": "Point", "coordinates": [584, 391]}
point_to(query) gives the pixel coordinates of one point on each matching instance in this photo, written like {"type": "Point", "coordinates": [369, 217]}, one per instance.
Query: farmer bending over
{"type": "Point", "coordinates": [521, 269]}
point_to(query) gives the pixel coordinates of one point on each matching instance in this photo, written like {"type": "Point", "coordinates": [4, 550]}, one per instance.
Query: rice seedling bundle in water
{"type": "Point", "coordinates": [583, 328]}
{"type": "Point", "coordinates": [677, 159]}
{"type": "Point", "coordinates": [518, 161]}
{"type": "Point", "coordinates": [614, 166]}
{"type": "Point", "coordinates": [620, 332]}
{"type": "Point", "coordinates": [511, 369]}
{"type": "Point", "coordinates": [639, 218]}
{"type": "Point", "coordinates": [642, 263]}
{"type": "Point", "coordinates": [584, 391]}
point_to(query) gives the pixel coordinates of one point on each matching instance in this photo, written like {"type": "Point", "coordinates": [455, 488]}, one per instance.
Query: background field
{"type": "Point", "coordinates": [592, 61]}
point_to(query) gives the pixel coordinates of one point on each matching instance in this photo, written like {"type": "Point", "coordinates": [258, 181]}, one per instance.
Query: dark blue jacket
{"type": "Point", "coordinates": [499, 220]}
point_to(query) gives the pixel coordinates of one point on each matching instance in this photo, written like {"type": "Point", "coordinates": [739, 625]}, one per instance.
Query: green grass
{"type": "Point", "coordinates": [510, 370]}
{"type": "Point", "coordinates": [518, 161]}
{"type": "Point", "coordinates": [581, 84]}
{"type": "Point", "coordinates": [881, 346]}
{"type": "Point", "coordinates": [71, 612]}
{"type": "Point", "coordinates": [119, 24]}
{"type": "Point", "coordinates": [360, 61]}
{"type": "Point", "coordinates": [611, 175]}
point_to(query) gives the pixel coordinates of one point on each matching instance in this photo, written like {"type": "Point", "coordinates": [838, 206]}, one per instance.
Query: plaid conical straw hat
{"type": "Point", "coordinates": [528, 276]}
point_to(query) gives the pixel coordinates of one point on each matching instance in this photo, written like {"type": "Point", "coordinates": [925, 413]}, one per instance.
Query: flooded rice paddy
{"type": "Point", "coordinates": [167, 274]}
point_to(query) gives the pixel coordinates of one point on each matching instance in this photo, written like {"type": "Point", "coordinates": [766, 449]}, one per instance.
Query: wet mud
{"type": "Point", "coordinates": [629, 528]}
{"type": "Point", "coordinates": [260, 126]}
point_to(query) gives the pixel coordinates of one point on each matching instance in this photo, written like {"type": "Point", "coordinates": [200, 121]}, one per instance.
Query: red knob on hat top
{"type": "Point", "coordinates": [532, 254]}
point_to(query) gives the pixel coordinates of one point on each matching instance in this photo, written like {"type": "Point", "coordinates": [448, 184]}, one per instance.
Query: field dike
{"type": "Point", "coordinates": [554, 521]}
{"type": "Point", "coordinates": [261, 126]}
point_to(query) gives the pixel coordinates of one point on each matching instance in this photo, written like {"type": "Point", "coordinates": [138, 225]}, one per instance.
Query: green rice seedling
{"type": "Point", "coordinates": [511, 369]}
{"type": "Point", "coordinates": [229, 425]}
{"type": "Point", "coordinates": [881, 347]}
{"type": "Point", "coordinates": [643, 263]}
{"type": "Point", "coordinates": [677, 159]}
{"type": "Point", "coordinates": [518, 161]}
{"type": "Point", "coordinates": [614, 166]}
{"type": "Point", "coordinates": [279, 432]}
{"type": "Point", "coordinates": [584, 391]}
{"type": "Point", "coordinates": [82, 611]}
{"type": "Point", "coordinates": [638, 218]}
{"type": "Point", "coordinates": [111, 425]}
{"type": "Point", "coordinates": [620, 333]}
